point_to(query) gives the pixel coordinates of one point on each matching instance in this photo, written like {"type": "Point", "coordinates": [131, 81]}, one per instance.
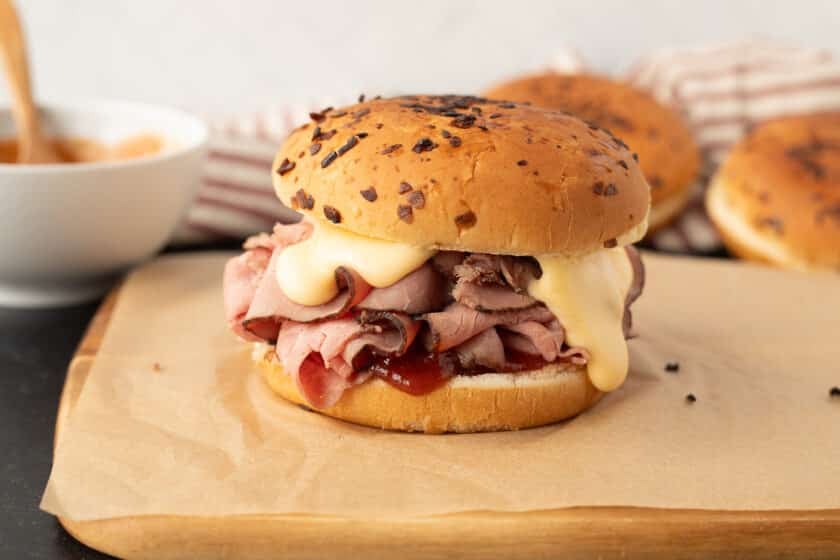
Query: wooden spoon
{"type": "Point", "coordinates": [33, 147]}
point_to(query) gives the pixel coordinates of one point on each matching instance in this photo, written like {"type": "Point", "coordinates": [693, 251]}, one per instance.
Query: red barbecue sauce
{"type": "Point", "coordinates": [418, 372]}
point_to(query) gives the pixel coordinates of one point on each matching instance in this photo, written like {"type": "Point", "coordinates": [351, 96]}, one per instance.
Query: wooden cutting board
{"type": "Point", "coordinates": [604, 532]}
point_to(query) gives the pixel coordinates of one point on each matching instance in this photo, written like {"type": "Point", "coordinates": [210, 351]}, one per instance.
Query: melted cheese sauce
{"type": "Point", "coordinates": [587, 295]}
{"type": "Point", "coordinates": [306, 270]}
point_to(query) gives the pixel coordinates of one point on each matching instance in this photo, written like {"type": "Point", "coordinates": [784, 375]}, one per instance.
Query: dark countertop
{"type": "Point", "coordinates": [35, 349]}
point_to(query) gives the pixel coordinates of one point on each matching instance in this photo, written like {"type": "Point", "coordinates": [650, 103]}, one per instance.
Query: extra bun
{"type": "Point", "coordinates": [467, 174]}
{"type": "Point", "coordinates": [482, 403]}
{"type": "Point", "coordinates": [668, 155]}
{"type": "Point", "coordinates": [777, 196]}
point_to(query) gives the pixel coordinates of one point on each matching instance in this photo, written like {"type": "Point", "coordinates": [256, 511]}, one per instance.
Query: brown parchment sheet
{"type": "Point", "coordinates": [759, 348]}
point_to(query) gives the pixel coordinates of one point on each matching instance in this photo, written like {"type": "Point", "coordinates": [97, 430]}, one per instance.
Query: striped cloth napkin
{"type": "Point", "coordinates": [724, 91]}
{"type": "Point", "coordinates": [721, 90]}
{"type": "Point", "coordinates": [236, 198]}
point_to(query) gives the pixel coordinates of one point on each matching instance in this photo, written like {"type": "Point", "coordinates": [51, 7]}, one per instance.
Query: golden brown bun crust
{"type": "Point", "coordinates": [668, 155]}
{"type": "Point", "coordinates": [508, 179]}
{"type": "Point", "coordinates": [783, 179]}
{"type": "Point", "coordinates": [484, 403]}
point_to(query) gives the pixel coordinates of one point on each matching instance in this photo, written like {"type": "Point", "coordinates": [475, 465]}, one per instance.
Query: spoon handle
{"type": "Point", "coordinates": [32, 146]}
{"type": "Point", "coordinates": [17, 74]}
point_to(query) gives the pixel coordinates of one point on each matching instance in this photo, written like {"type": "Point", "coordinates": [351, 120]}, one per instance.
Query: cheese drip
{"type": "Point", "coordinates": [306, 270]}
{"type": "Point", "coordinates": [587, 295]}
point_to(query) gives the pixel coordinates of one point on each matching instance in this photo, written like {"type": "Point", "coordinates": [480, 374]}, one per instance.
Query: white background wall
{"type": "Point", "coordinates": [227, 56]}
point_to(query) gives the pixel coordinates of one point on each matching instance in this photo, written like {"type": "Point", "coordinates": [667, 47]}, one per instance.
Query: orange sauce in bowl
{"type": "Point", "coordinates": [85, 150]}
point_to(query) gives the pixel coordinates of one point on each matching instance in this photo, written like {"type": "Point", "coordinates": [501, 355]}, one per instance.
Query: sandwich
{"type": "Point", "coordinates": [461, 265]}
{"type": "Point", "coordinates": [776, 198]}
{"type": "Point", "coordinates": [656, 134]}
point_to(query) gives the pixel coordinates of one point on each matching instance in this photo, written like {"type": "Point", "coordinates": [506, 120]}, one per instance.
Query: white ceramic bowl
{"type": "Point", "coordinates": [67, 230]}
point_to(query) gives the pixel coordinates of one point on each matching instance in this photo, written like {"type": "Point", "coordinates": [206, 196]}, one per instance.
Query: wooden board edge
{"type": "Point", "coordinates": [574, 533]}
{"type": "Point", "coordinates": [82, 359]}
{"type": "Point", "coordinates": [603, 532]}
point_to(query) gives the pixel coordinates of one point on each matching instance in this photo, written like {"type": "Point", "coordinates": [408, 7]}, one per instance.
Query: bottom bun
{"type": "Point", "coordinates": [746, 241]}
{"type": "Point", "coordinates": [481, 403]}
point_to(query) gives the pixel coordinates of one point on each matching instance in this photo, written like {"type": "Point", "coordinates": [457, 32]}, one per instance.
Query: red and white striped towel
{"type": "Point", "coordinates": [236, 198]}
{"type": "Point", "coordinates": [722, 91]}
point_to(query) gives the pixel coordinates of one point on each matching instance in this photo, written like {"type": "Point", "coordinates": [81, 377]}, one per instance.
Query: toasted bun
{"type": "Point", "coordinates": [481, 403]}
{"type": "Point", "coordinates": [777, 196]}
{"type": "Point", "coordinates": [668, 155]}
{"type": "Point", "coordinates": [483, 176]}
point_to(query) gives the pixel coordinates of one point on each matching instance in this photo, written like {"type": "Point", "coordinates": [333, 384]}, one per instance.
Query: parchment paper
{"type": "Point", "coordinates": [758, 348]}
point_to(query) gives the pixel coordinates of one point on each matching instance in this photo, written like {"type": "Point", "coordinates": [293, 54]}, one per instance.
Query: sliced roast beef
{"type": "Point", "coordinates": [242, 276]}
{"type": "Point", "coordinates": [635, 288]}
{"type": "Point", "coordinates": [446, 261]}
{"type": "Point", "coordinates": [422, 291]}
{"type": "Point", "coordinates": [521, 343]}
{"type": "Point", "coordinates": [485, 350]}
{"type": "Point", "coordinates": [484, 268]}
{"type": "Point", "coordinates": [493, 282]}
{"type": "Point", "coordinates": [284, 235]}
{"type": "Point", "coordinates": [259, 241]}
{"type": "Point", "coordinates": [385, 333]}
{"type": "Point", "coordinates": [574, 354]}
{"type": "Point", "coordinates": [459, 323]}
{"type": "Point", "coordinates": [270, 305]}
{"type": "Point", "coordinates": [538, 339]}
{"type": "Point", "coordinates": [320, 385]}
{"type": "Point", "coordinates": [518, 342]}
{"type": "Point", "coordinates": [281, 236]}
{"type": "Point", "coordinates": [480, 268]}
{"type": "Point", "coordinates": [489, 348]}
{"type": "Point", "coordinates": [312, 354]}
{"type": "Point", "coordinates": [326, 348]}
{"type": "Point", "coordinates": [336, 345]}
{"type": "Point", "coordinates": [490, 297]}
{"type": "Point", "coordinates": [296, 341]}
{"type": "Point", "coordinates": [519, 271]}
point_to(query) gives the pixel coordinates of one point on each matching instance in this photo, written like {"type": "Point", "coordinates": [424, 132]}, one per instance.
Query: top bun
{"type": "Point", "coordinates": [668, 155]}
{"type": "Point", "coordinates": [783, 182]}
{"type": "Point", "coordinates": [465, 173]}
